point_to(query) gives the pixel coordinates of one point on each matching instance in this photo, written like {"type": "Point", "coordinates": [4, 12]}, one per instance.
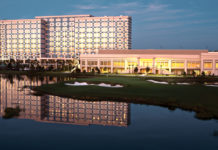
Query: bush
{"type": "Point", "coordinates": [203, 74]}
{"type": "Point", "coordinates": [97, 70]}
{"type": "Point", "coordinates": [78, 70]}
{"type": "Point", "coordinates": [136, 70]}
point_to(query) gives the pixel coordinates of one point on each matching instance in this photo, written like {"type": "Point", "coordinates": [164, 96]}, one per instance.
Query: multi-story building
{"type": "Point", "coordinates": [102, 42]}
{"type": "Point", "coordinates": [63, 36]}
{"type": "Point", "coordinates": [22, 39]}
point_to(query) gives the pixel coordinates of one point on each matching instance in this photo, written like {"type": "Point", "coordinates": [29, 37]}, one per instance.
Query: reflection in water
{"type": "Point", "coordinates": [57, 109]}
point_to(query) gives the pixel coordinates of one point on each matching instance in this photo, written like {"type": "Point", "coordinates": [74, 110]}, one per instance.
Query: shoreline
{"type": "Point", "coordinates": [200, 112]}
{"type": "Point", "coordinates": [204, 109]}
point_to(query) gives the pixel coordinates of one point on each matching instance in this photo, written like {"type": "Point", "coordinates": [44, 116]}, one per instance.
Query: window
{"type": "Point", "coordinates": [208, 65]}
{"type": "Point", "coordinates": [92, 62]}
{"type": "Point", "coordinates": [193, 64]}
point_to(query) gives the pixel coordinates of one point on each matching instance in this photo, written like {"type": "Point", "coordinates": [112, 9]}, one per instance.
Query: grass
{"type": "Point", "coordinates": [199, 98]}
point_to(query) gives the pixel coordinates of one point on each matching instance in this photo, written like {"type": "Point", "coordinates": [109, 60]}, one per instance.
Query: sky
{"type": "Point", "coordinates": [156, 24]}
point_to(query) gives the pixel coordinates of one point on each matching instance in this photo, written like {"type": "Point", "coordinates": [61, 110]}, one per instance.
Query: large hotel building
{"type": "Point", "coordinates": [63, 36]}
{"type": "Point", "coordinates": [103, 42]}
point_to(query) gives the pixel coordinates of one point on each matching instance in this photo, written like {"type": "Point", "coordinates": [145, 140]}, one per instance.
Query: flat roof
{"type": "Point", "coordinates": [154, 51]}
{"type": "Point", "coordinates": [86, 15]}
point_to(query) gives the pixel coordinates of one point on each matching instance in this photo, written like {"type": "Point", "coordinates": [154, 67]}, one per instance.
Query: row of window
{"type": "Point", "coordinates": [207, 65]}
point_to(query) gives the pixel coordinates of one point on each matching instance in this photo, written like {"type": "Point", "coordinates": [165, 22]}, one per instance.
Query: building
{"type": "Point", "coordinates": [63, 36]}
{"type": "Point", "coordinates": [158, 61]}
{"type": "Point", "coordinates": [102, 42]}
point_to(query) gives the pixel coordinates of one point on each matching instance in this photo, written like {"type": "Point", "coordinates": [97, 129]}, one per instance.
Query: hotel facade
{"type": "Point", "coordinates": [103, 42]}
{"type": "Point", "coordinates": [62, 37]}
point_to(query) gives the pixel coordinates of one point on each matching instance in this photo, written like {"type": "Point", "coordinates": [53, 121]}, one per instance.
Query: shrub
{"type": "Point", "coordinates": [203, 74]}
{"type": "Point", "coordinates": [136, 70]}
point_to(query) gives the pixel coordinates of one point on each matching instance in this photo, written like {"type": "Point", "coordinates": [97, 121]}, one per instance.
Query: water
{"type": "Point", "coordinates": [51, 122]}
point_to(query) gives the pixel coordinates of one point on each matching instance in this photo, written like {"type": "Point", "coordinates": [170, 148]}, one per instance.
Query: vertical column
{"type": "Point", "coordinates": [170, 66]}
{"type": "Point", "coordinates": [214, 66]}
{"type": "Point", "coordinates": [139, 66]}
{"type": "Point", "coordinates": [153, 66]}
{"type": "Point", "coordinates": [112, 66]}
{"type": "Point", "coordinates": [202, 65]}
{"type": "Point", "coordinates": [86, 64]}
{"type": "Point", "coordinates": [185, 69]}
{"type": "Point", "coordinates": [98, 64]}
{"type": "Point", "coordinates": [126, 65]}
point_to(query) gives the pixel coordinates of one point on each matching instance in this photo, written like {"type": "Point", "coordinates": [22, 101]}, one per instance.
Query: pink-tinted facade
{"type": "Point", "coordinates": [158, 61]}
{"type": "Point", "coordinates": [63, 36]}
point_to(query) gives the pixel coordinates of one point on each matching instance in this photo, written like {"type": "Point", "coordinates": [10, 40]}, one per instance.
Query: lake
{"type": "Point", "coordinates": [51, 122]}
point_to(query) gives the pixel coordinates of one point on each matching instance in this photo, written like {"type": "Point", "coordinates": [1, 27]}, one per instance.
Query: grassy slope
{"type": "Point", "coordinates": [202, 99]}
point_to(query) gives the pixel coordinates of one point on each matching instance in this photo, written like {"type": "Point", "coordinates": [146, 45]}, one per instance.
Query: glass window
{"type": "Point", "coordinates": [208, 65]}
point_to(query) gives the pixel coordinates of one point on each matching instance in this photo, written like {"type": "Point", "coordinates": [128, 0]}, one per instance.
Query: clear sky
{"type": "Point", "coordinates": [186, 24]}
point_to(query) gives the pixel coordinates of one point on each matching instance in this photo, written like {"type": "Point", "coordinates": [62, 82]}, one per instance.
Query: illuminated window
{"type": "Point", "coordinates": [111, 34]}
{"type": "Point", "coordinates": [92, 62]}
{"type": "Point", "coordinates": [162, 64]}
{"type": "Point", "coordinates": [20, 45]}
{"type": "Point", "coordinates": [216, 65]}
{"type": "Point", "coordinates": [178, 64]}
{"type": "Point", "coordinates": [96, 29]}
{"type": "Point", "coordinates": [89, 40]}
{"type": "Point", "coordinates": [27, 46]}
{"type": "Point", "coordinates": [33, 35]}
{"type": "Point", "coordinates": [27, 41]}
{"type": "Point", "coordinates": [82, 40]}
{"type": "Point", "coordinates": [193, 64]}
{"type": "Point", "coordinates": [20, 36]}
{"type": "Point", "coordinates": [208, 65]}
{"type": "Point", "coordinates": [27, 36]}
{"type": "Point", "coordinates": [64, 43]}
{"type": "Point", "coordinates": [96, 40]}
{"type": "Point", "coordinates": [57, 44]}
{"type": "Point", "coordinates": [20, 41]}
{"type": "Point", "coordinates": [82, 35]}
{"type": "Point", "coordinates": [14, 41]}
{"type": "Point", "coordinates": [82, 30]}
{"type": "Point", "coordinates": [104, 35]}
{"type": "Point", "coordinates": [58, 33]}
{"type": "Point", "coordinates": [33, 45]}
{"type": "Point", "coordinates": [33, 41]}
{"type": "Point", "coordinates": [104, 40]}
{"type": "Point", "coordinates": [96, 35]}
{"type": "Point", "coordinates": [89, 30]}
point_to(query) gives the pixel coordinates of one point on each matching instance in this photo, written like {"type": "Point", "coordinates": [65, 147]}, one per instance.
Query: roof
{"type": "Point", "coordinates": [74, 16]}
{"type": "Point", "coordinates": [154, 51]}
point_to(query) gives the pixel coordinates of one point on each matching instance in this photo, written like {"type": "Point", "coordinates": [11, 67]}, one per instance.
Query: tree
{"type": "Point", "coordinates": [97, 70]}
{"type": "Point", "coordinates": [93, 70]}
{"type": "Point", "coordinates": [203, 74]}
{"type": "Point", "coordinates": [147, 69]}
{"type": "Point", "coordinates": [136, 70]}
{"type": "Point", "coordinates": [78, 70]}
{"type": "Point", "coordinates": [193, 73]}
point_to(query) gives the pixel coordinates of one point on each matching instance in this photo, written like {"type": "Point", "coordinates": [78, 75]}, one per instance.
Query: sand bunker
{"type": "Point", "coordinates": [212, 85]}
{"type": "Point", "coordinates": [183, 83]}
{"type": "Point", "coordinates": [101, 84]}
{"type": "Point", "coordinates": [158, 82]}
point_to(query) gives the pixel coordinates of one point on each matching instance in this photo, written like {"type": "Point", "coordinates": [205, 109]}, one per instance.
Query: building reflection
{"type": "Point", "coordinates": [56, 109]}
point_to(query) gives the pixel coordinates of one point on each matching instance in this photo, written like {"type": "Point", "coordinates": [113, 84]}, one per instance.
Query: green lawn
{"type": "Point", "coordinates": [199, 98]}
